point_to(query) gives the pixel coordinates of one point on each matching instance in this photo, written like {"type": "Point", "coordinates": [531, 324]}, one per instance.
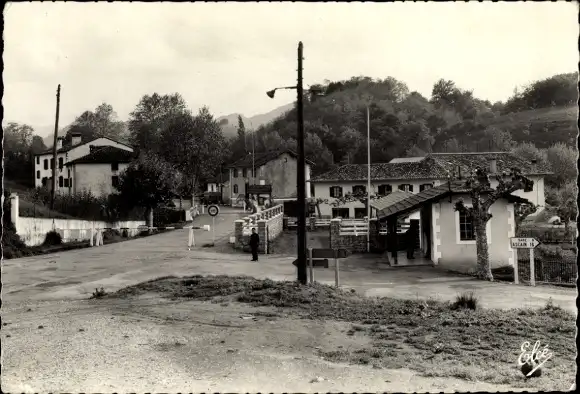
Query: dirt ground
{"type": "Point", "coordinates": [148, 344]}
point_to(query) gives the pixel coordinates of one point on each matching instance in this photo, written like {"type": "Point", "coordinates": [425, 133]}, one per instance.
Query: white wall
{"type": "Point", "coordinates": [96, 178]}
{"type": "Point", "coordinates": [33, 230]}
{"type": "Point", "coordinates": [322, 190]}
{"type": "Point", "coordinates": [536, 196]}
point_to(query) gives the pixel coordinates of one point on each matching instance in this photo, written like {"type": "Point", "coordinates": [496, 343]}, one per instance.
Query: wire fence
{"type": "Point", "coordinates": [548, 270]}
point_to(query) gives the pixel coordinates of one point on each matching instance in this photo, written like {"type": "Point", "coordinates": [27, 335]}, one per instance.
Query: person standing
{"type": "Point", "coordinates": [254, 242]}
{"type": "Point", "coordinates": [411, 239]}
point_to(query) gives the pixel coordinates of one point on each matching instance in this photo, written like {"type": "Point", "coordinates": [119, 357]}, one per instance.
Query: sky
{"type": "Point", "coordinates": [227, 55]}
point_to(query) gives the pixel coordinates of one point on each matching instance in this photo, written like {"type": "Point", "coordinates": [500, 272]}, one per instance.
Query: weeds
{"type": "Point", "coordinates": [99, 293]}
{"type": "Point", "coordinates": [465, 301]}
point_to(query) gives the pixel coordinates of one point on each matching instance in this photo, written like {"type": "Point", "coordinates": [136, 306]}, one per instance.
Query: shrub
{"type": "Point", "coordinates": [111, 235]}
{"type": "Point", "coordinates": [165, 216]}
{"type": "Point", "coordinates": [465, 301]}
{"type": "Point", "coordinates": [52, 238]}
{"type": "Point", "coordinates": [99, 293]}
{"type": "Point", "coordinates": [12, 244]}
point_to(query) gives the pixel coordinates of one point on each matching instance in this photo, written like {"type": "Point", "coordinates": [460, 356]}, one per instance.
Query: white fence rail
{"type": "Point", "coordinates": [251, 221]}
{"type": "Point", "coordinates": [356, 227]}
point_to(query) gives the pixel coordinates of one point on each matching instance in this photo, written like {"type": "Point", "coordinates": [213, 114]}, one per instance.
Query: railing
{"type": "Point", "coordinates": [401, 228]}
{"type": "Point", "coordinates": [251, 221]}
{"type": "Point", "coordinates": [354, 227]}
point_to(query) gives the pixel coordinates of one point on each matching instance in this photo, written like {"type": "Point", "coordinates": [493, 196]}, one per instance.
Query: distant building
{"type": "Point", "coordinates": [99, 171]}
{"type": "Point", "coordinates": [417, 174]}
{"type": "Point", "coordinates": [274, 171]}
{"type": "Point", "coordinates": [43, 162]}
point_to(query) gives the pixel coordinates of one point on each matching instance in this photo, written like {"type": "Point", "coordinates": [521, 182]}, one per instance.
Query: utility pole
{"type": "Point", "coordinates": [54, 149]}
{"type": "Point", "coordinates": [300, 177]}
{"type": "Point", "coordinates": [253, 157]}
{"type": "Point", "coordinates": [369, 180]}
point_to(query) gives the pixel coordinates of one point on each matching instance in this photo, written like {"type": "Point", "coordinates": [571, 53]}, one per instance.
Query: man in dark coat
{"type": "Point", "coordinates": [254, 242]}
{"type": "Point", "coordinates": [411, 239]}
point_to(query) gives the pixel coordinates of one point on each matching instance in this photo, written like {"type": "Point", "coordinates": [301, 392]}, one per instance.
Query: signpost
{"type": "Point", "coordinates": [317, 255]}
{"type": "Point", "coordinates": [213, 211]}
{"type": "Point", "coordinates": [525, 243]}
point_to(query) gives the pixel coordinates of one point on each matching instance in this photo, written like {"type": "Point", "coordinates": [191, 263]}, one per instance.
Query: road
{"type": "Point", "coordinates": [56, 340]}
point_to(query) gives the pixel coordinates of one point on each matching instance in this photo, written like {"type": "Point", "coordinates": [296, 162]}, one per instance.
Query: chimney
{"type": "Point", "coordinates": [493, 166]}
{"type": "Point", "coordinates": [59, 142]}
{"type": "Point", "coordinates": [534, 168]}
{"type": "Point", "coordinates": [76, 139]}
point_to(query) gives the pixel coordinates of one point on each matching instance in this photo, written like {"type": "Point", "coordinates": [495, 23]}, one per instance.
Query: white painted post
{"type": "Point", "coordinates": [191, 240]}
{"type": "Point", "coordinates": [92, 233]}
{"type": "Point", "coordinates": [516, 271]}
{"type": "Point", "coordinates": [100, 240]}
{"type": "Point", "coordinates": [213, 230]}
{"type": "Point", "coordinates": [532, 268]}
{"type": "Point", "coordinates": [14, 207]}
{"type": "Point", "coordinates": [310, 263]}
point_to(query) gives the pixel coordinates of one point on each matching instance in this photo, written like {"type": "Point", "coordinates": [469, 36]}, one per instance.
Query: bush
{"type": "Point", "coordinates": [111, 235]}
{"type": "Point", "coordinates": [465, 301]}
{"type": "Point", "coordinates": [165, 216]}
{"type": "Point", "coordinates": [52, 238]}
{"type": "Point", "coordinates": [12, 244]}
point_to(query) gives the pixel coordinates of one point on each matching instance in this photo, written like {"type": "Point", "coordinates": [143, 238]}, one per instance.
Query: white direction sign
{"type": "Point", "coordinates": [524, 243]}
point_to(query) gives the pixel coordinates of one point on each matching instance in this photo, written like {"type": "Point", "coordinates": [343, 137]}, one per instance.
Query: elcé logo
{"type": "Point", "coordinates": [534, 358]}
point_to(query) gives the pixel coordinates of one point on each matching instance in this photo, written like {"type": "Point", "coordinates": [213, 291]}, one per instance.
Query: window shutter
{"type": "Point", "coordinates": [331, 191]}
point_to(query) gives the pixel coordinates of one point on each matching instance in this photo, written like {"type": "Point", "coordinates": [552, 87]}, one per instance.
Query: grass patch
{"type": "Point", "coordinates": [98, 293]}
{"type": "Point", "coordinates": [435, 338]}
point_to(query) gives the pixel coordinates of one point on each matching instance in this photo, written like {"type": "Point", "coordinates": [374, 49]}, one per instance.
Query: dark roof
{"type": "Point", "coordinates": [505, 162]}
{"type": "Point", "coordinates": [431, 195]}
{"type": "Point", "coordinates": [432, 166]}
{"type": "Point", "coordinates": [425, 169]}
{"type": "Point", "coordinates": [69, 147]}
{"type": "Point", "coordinates": [105, 154]}
{"type": "Point", "coordinates": [390, 199]}
{"type": "Point", "coordinates": [263, 158]}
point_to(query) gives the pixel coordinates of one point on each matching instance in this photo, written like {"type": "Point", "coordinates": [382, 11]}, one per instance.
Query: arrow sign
{"type": "Point", "coordinates": [524, 243]}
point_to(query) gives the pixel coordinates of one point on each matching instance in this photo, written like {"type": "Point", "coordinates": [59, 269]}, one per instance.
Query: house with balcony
{"type": "Point", "coordinates": [66, 180]}
{"type": "Point", "coordinates": [416, 174]}
{"type": "Point", "coordinates": [269, 174]}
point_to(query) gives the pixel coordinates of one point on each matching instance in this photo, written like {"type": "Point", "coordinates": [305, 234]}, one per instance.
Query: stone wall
{"type": "Point", "coordinates": [268, 224]}
{"type": "Point", "coordinates": [352, 243]}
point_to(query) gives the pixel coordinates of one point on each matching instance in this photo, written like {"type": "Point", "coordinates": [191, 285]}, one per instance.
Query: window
{"type": "Point", "coordinates": [44, 181]}
{"type": "Point", "coordinates": [236, 173]}
{"type": "Point", "coordinates": [359, 189]}
{"type": "Point", "coordinates": [37, 174]}
{"type": "Point", "coordinates": [60, 181]}
{"type": "Point", "coordinates": [115, 181]}
{"type": "Point", "coordinates": [360, 213]}
{"type": "Point", "coordinates": [235, 188]}
{"type": "Point", "coordinates": [385, 190]}
{"type": "Point", "coordinates": [37, 159]}
{"type": "Point", "coordinates": [52, 163]}
{"type": "Point", "coordinates": [466, 231]}
{"type": "Point", "coordinates": [114, 166]}
{"type": "Point", "coordinates": [66, 182]}
{"type": "Point", "coordinates": [244, 173]}
{"type": "Point", "coordinates": [340, 212]}
{"type": "Point", "coordinates": [425, 186]}
{"type": "Point", "coordinates": [46, 164]}
{"type": "Point", "coordinates": [336, 191]}
{"type": "Point", "coordinates": [406, 187]}
{"type": "Point", "coordinates": [60, 163]}
{"type": "Point", "coordinates": [69, 183]}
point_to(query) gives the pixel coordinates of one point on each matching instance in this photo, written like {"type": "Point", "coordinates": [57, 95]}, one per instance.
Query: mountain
{"type": "Point", "coordinates": [230, 122]}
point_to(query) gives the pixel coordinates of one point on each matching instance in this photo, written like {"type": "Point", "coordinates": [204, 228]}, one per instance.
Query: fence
{"type": "Point", "coordinates": [356, 227]}
{"type": "Point", "coordinates": [548, 270]}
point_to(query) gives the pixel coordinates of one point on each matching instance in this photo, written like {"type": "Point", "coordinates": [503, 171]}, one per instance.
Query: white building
{"type": "Point", "coordinates": [66, 179]}
{"type": "Point", "coordinates": [417, 174]}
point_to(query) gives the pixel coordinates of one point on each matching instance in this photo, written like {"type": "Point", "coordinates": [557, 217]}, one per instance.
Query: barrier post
{"type": "Point", "coordinates": [191, 240]}
{"type": "Point", "coordinates": [92, 234]}
{"type": "Point", "coordinates": [336, 268]}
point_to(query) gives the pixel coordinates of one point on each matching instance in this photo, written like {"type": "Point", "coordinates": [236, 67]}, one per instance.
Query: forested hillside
{"type": "Point", "coordinates": [405, 123]}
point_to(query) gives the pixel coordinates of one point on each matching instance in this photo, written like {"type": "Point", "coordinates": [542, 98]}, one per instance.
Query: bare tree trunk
{"type": "Point", "coordinates": [318, 211]}
{"type": "Point", "coordinates": [483, 266]}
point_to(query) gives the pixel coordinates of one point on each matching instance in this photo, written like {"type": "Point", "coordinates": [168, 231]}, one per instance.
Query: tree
{"type": "Point", "coordinates": [564, 202]}
{"type": "Point", "coordinates": [195, 146]}
{"type": "Point", "coordinates": [37, 145]}
{"type": "Point", "coordinates": [482, 198]}
{"type": "Point", "coordinates": [147, 183]}
{"type": "Point", "coordinates": [18, 156]}
{"type": "Point", "coordinates": [443, 93]}
{"type": "Point", "coordinates": [316, 202]}
{"type": "Point", "coordinates": [563, 161]}
{"type": "Point", "coordinates": [242, 133]}
{"type": "Point", "coordinates": [102, 122]}
{"type": "Point", "coordinates": [17, 138]}
{"type": "Point", "coordinates": [354, 197]}
{"type": "Point", "coordinates": [529, 152]}
{"type": "Point", "coordinates": [151, 116]}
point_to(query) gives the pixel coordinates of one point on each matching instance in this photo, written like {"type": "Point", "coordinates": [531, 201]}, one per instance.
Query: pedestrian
{"type": "Point", "coordinates": [411, 239]}
{"type": "Point", "coordinates": [254, 242]}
